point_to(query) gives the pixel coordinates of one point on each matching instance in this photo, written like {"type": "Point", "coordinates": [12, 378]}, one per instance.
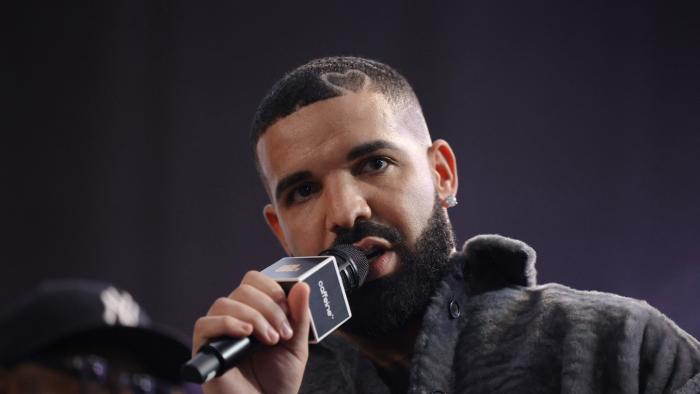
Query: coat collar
{"type": "Point", "coordinates": [492, 262]}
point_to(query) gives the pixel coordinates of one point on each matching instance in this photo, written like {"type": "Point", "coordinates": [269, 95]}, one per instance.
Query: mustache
{"type": "Point", "coordinates": [366, 228]}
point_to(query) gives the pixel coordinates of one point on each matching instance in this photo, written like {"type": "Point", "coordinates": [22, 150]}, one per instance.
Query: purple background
{"type": "Point", "coordinates": [576, 129]}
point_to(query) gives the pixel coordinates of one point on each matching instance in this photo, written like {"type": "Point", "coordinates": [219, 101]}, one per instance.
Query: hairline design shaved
{"type": "Point", "coordinates": [352, 81]}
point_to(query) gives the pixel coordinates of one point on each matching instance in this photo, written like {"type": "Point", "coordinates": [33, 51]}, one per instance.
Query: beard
{"type": "Point", "coordinates": [387, 304]}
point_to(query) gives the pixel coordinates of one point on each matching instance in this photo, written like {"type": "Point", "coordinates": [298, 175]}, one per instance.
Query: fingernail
{"type": "Point", "coordinates": [272, 335]}
{"type": "Point", "coordinates": [287, 330]}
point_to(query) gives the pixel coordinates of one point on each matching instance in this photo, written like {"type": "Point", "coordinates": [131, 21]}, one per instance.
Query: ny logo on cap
{"type": "Point", "coordinates": [120, 308]}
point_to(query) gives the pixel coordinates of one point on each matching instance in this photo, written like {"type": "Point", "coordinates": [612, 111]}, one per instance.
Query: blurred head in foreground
{"type": "Point", "coordinates": [79, 336]}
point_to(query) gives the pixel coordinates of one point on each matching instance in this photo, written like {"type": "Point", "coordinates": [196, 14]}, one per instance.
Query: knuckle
{"type": "Point", "coordinates": [221, 302]}
{"type": "Point", "coordinates": [243, 290]}
{"type": "Point", "coordinates": [199, 323]}
{"type": "Point", "coordinates": [218, 305]}
{"type": "Point", "coordinates": [250, 276]}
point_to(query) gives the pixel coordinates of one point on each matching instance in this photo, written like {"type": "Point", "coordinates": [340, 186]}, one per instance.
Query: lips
{"type": "Point", "coordinates": [373, 245]}
{"type": "Point", "coordinates": [383, 260]}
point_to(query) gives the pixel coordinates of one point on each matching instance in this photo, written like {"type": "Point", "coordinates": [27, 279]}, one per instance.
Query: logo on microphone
{"type": "Point", "coordinates": [289, 268]}
{"type": "Point", "coordinates": [326, 301]}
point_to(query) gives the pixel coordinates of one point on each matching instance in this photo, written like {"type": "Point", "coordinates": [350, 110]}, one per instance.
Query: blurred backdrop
{"type": "Point", "coordinates": [125, 134]}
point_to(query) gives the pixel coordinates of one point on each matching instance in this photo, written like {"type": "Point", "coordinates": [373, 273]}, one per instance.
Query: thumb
{"type": "Point", "coordinates": [298, 301]}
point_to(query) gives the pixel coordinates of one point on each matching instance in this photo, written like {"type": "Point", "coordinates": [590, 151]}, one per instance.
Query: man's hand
{"type": "Point", "coordinates": [259, 307]}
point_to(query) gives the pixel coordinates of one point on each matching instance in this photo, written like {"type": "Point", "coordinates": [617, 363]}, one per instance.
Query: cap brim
{"type": "Point", "coordinates": [160, 350]}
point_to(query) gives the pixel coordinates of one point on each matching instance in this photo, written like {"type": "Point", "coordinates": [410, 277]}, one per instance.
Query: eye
{"type": "Point", "coordinates": [374, 165]}
{"type": "Point", "coordinates": [301, 193]}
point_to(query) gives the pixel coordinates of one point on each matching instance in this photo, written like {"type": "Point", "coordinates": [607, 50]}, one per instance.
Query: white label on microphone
{"type": "Point", "coordinates": [326, 302]}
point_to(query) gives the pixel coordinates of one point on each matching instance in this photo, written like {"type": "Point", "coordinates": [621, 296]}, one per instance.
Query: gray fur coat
{"type": "Point", "coordinates": [490, 329]}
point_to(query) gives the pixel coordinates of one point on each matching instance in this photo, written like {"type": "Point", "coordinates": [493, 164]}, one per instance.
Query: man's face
{"type": "Point", "coordinates": [353, 170]}
{"type": "Point", "coordinates": [348, 160]}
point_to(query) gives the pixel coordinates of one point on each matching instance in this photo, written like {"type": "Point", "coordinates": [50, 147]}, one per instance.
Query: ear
{"type": "Point", "coordinates": [444, 166]}
{"type": "Point", "coordinates": [273, 221]}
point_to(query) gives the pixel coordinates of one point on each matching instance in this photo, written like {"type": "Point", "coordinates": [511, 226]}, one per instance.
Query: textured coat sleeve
{"type": "Point", "coordinates": [640, 349]}
{"type": "Point", "coordinates": [651, 351]}
{"type": "Point", "coordinates": [669, 359]}
{"type": "Point", "coordinates": [570, 341]}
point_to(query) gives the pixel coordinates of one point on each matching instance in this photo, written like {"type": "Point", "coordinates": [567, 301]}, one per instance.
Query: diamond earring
{"type": "Point", "coordinates": [450, 201]}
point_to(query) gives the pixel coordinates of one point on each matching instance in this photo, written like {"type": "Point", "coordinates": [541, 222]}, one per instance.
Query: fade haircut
{"type": "Point", "coordinates": [325, 78]}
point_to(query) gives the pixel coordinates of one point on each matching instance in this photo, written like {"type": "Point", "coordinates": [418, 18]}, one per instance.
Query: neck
{"type": "Point", "coordinates": [392, 350]}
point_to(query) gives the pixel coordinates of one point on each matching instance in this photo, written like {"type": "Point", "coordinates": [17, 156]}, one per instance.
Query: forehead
{"type": "Point", "coordinates": [325, 131]}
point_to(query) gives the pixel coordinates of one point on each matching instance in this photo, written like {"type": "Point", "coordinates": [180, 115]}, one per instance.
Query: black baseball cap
{"type": "Point", "coordinates": [85, 311]}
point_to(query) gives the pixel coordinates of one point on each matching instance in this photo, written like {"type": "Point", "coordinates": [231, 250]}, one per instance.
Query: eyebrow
{"type": "Point", "coordinates": [369, 147]}
{"type": "Point", "coordinates": [356, 152]}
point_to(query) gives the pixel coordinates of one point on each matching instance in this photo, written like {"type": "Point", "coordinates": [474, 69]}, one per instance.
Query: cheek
{"type": "Point", "coordinates": [409, 204]}
{"type": "Point", "coordinates": [416, 210]}
{"type": "Point", "coordinates": [303, 233]}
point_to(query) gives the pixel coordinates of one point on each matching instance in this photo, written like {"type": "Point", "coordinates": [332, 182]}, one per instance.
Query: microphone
{"type": "Point", "coordinates": [332, 275]}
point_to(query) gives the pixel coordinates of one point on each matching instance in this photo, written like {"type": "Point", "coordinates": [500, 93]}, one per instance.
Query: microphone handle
{"type": "Point", "coordinates": [227, 351]}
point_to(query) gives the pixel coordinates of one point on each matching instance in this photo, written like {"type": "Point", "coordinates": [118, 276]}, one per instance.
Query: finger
{"type": "Point", "coordinates": [270, 309]}
{"type": "Point", "coordinates": [262, 328]}
{"type": "Point", "coordinates": [208, 327]}
{"type": "Point", "coordinates": [299, 309]}
{"type": "Point", "coordinates": [268, 286]}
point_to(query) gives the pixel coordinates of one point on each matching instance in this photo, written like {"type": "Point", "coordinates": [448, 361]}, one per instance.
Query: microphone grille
{"type": "Point", "coordinates": [356, 256]}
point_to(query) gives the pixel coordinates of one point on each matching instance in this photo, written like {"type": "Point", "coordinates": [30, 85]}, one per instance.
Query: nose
{"type": "Point", "coordinates": [345, 203]}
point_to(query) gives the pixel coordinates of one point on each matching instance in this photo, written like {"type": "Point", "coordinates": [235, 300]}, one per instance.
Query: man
{"type": "Point", "coordinates": [81, 336]}
{"type": "Point", "coordinates": [346, 157]}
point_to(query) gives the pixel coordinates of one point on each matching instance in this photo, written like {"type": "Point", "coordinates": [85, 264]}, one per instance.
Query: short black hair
{"type": "Point", "coordinates": [325, 78]}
